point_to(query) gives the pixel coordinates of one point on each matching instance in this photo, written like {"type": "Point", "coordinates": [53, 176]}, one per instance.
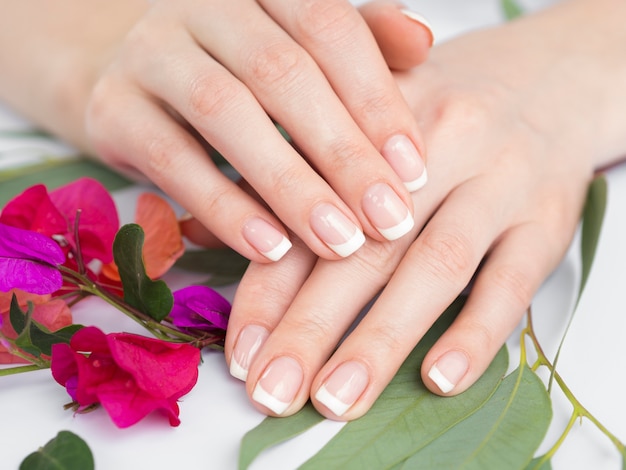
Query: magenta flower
{"type": "Point", "coordinates": [200, 307]}
{"type": "Point", "coordinates": [129, 375]}
{"type": "Point", "coordinates": [54, 214]}
{"type": "Point", "coordinates": [28, 261]}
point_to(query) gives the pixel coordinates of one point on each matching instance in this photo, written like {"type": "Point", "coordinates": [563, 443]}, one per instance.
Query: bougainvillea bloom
{"type": "Point", "coordinates": [28, 261]}
{"type": "Point", "coordinates": [163, 242]}
{"type": "Point", "coordinates": [200, 307]}
{"type": "Point", "coordinates": [54, 314]}
{"type": "Point", "coordinates": [129, 375]}
{"type": "Point", "coordinates": [54, 214]}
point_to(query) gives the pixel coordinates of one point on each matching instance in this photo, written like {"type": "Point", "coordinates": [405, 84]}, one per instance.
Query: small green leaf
{"type": "Point", "coordinates": [154, 298]}
{"type": "Point", "coordinates": [273, 431]}
{"type": "Point", "coordinates": [511, 9]}
{"type": "Point", "coordinates": [17, 316]}
{"type": "Point", "coordinates": [225, 266]}
{"type": "Point", "coordinates": [66, 451]}
{"type": "Point", "coordinates": [43, 339]}
{"type": "Point", "coordinates": [21, 322]}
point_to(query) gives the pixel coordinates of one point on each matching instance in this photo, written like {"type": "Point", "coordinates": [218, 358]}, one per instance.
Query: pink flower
{"type": "Point", "coordinates": [129, 375]}
{"type": "Point", "coordinates": [54, 214]}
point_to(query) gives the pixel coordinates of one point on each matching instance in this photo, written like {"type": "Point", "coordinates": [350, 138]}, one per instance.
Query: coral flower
{"type": "Point", "coordinates": [129, 375]}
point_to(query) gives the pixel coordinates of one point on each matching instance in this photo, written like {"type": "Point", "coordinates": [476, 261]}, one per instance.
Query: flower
{"type": "Point", "coordinates": [200, 307]}
{"type": "Point", "coordinates": [28, 261]}
{"type": "Point", "coordinates": [54, 214]}
{"type": "Point", "coordinates": [54, 314]}
{"type": "Point", "coordinates": [129, 375]}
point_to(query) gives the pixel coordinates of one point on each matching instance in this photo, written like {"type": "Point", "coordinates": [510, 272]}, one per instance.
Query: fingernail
{"type": "Point", "coordinates": [338, 232]}
{"type": "Point", "coordinates": [420, 19]}
{"type": "Point", "coordinates": [250, 340]}
{"type": "Point", "coordinates": [449, 369]}
{"type": "Point", "coordinates": [405, 160]}
{"type": "Point", "coordinates": [387, 212]}
{"type": "Point", "coordinates": [279, 384]}
{"type": "Point", "coordinates": [185, 217]}
{"type": "Point", "coordinates": [266, 239]}
{"type": "Point", "coordinates": [343, 388]}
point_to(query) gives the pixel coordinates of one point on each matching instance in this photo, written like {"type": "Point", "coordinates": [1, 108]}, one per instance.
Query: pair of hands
{"type": "Point", "coordinates": [507, 181]}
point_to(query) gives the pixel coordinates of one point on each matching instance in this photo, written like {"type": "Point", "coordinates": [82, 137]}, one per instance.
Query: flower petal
{"type": "Point", "coordinates": [34, 210]}
{"type": "Point", "coordinates": [98, 217]}
{"type": "Point", "coordinates": [200, 307]}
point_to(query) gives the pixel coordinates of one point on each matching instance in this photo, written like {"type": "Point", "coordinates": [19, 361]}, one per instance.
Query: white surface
{"type": "Point", "coordinates": [216, 414]}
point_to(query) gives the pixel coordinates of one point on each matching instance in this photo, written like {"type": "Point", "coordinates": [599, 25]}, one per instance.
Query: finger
{"type": "Point", "coordinates": [262, 297]}
{"type": "Point", "coordinates": [501, 294]}
{"type": "Point", "coordinates": [171, 158]}
{"type": "Point", "coordinates": [403, 36]}
{"type": "Point", "coordinates": [228, 116]}
{"type": "Point", "coordinates": [432, 273]}
{"type": "Point", "coordinates": [340, 42]}
{"type": "Point", "coordinates": [290, 86]}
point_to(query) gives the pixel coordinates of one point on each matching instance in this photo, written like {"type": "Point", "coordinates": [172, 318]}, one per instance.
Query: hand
{"type": "Point", "coordinates": [510, 158]}
{"type": "Point", "coordinates": [220, 72]}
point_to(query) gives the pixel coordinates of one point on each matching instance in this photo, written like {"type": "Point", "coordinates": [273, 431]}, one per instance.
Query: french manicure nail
{"type": "Point", "coordinates": [420, 19]}
{"type": "Point", "coordinates": [250, 340]}
{"type": "Point", "coordinates": [343, 388]}
{"type": "Point", "coordinates": [336, 230]}
{"type": "Point", "coordinates": [266, 239]}
{"type": "Point", "coordinates": [406, 161]}
{"type": "Point", "coordinates": [448, 371]}
{"type": "Point", "coordinates": [279, 384]}
{"type": "Point", "coordinates": [387, 212]}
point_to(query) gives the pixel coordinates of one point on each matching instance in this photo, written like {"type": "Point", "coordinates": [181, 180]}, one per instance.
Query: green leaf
{"type": "Point", "coordinates": [536, 464]}
{"type": "Point", "coordinates": [511, 9]}
{"type": "Point", "coordinates": [66, 451]}
{"type": "Point", "coordinates": [56, 173]}
{"type": "Point", "coordinates": [153, 298]}
{"type": "Point", "coordinates": [592, 219]}
{"type": "Point", "coordinates": [504, 433]}
{"type": "Point", "coordinates": [33, 337]}
{"type": "Point", "coordinates": [224, 265]}
{"type": "Point", "coordinates": [273, 431]}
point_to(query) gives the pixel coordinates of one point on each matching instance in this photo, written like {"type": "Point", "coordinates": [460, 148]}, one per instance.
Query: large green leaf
{"type": "Point", "coordinates": [503, 433]}
{"type": "Point", "coordinates": [511, 9]}
{"type": "Point", "coordinates": [154, 298]}
{"type": "Point", "coordinates": [66, 451]}
{"type": "Point", "coordinates": [273, 431]}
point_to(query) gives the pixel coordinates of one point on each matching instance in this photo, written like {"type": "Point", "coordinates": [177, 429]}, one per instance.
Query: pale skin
{"type": "Point", "coordinates": [515, 119]}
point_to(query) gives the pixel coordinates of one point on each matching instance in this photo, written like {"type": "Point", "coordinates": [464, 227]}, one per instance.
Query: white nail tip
{"type": "Point", "coordinates": [397, 231]}
{"type": "Point", "coordinates": [436, 376]}
{"type": "Point", "coordinates": [269, 401]}
{"type": "Point", "coordinates": [237, 371]}
{"type": "Point", "coordinates": [349, 247]}
{"type": "Point", "coordinates": [331, 402]}
{"type": "Point", "coordinates": [418, 183]}
{"type": "Point", "coordinates": [417, 17]}
{"type": "Point", "coordinates": [279, 251]}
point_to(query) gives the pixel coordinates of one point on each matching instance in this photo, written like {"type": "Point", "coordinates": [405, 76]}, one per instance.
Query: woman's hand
{"type": "Point", "coordinates": [514, 121]}
{"type": "Point", "coordinates": [220, 72]}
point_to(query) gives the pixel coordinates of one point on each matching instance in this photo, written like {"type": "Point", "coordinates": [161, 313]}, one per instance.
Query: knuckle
{"type": "Point", "coordinates": [315, 328]}
{"type": "Point", "coordinates": [447, 255]}
{"type": "Point", "coordinates": [287, 182]}
{"type": "Point", "coordinates": [513, 283]}
{"type": "Point", "coordinates": [376, 103]}
{"type": "Point", "coordinates": [344, 156]}
{"type": "Point", "coordinates": [469, 110]}
{"type": "Point", "coordinates": [326, 19]}
{"type": "Point", "coordinates": [211, 96]}
{"type": "Point", "coordinates": [275, 65]}
{"type": "Point", "coordinates": [376, 261]}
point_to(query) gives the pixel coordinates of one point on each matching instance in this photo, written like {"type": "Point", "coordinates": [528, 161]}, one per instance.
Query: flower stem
{"type": "Point", "coordinates": [20, 369]}
{"type": "Point", "coordinates": [579, 411]}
